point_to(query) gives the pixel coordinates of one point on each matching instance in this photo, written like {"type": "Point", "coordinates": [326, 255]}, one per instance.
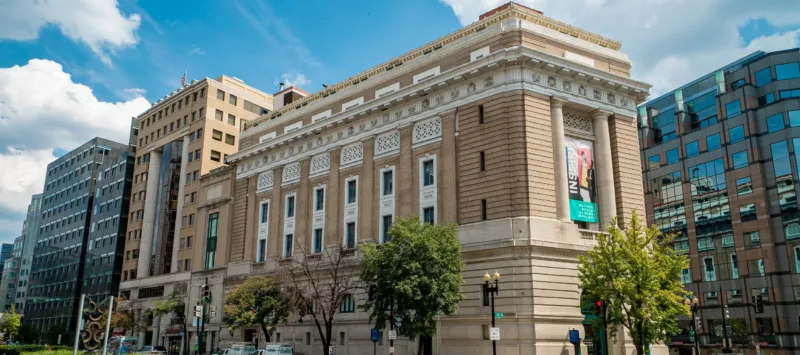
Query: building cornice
{"type": "Point", "coordinates": [513, 11]}
{"type": "Point", "coordinates": [519, 68]}
{"type": "Point", "coordinates": [569, 79]}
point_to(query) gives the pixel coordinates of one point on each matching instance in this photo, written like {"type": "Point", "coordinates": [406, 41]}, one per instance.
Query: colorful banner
{"type": "Point", "coordinates": [580, 180]}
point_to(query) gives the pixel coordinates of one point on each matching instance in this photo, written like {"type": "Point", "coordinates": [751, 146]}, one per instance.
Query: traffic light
{"type": "Point", "coordinates": [727, 312]}
{"type": "Point", "coordinates": [206, 292]}
{"type": "Point", "coordinates": [759, 301]}
{"type": "Point", "coordinates": [373, 289]}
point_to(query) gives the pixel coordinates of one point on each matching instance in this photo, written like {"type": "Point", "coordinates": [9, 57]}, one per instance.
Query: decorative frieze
{"type": "Point", "coordinates": [578, 122]}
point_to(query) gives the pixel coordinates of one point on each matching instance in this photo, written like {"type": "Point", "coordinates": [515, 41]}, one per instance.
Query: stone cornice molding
{"type": "Point", "coordinates": [628, 90]}
{"type": "Point", "coordinates": [442, 95]}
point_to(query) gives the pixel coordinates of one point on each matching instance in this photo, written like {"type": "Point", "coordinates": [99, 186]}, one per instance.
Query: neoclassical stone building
{"type": "Point", "coordinates": [519, 128]}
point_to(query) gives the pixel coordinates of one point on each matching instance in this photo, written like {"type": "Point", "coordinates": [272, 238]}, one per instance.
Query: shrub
{"type": "Point", "coordinates": [31, 349]}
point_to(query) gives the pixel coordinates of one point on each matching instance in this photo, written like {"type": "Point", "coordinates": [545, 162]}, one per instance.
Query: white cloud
{"type": "Point", "coordinates": [132, 93]}
{"type": "Point", "coordinates": [294, 78]}
{"type": "Point", "coordinates": [97, 23]}
{"type": "Point", "coordinates": [670, 42]}
{"type": "Point", "coordinates": [42, 109]}
{"type": "Point", "coordinates": [196, 51]}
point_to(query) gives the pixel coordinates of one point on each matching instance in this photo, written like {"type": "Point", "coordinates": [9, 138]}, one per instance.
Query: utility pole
{"type": "Point", "coordinates": [725, 315]}
{"type": "Point", "coordinates": [78, 326]}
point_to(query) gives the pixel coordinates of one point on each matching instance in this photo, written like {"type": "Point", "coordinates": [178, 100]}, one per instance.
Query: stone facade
{"type": "Point", "coordinates": [470, 129]}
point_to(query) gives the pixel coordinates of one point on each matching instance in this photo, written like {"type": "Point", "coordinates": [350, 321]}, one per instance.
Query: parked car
{"type": "Point", "coordinates": [151, 349]}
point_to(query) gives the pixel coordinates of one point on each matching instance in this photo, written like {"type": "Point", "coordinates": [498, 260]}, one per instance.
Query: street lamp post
{"type": "Point", "coordinates": [693, 303]}
{"type": "Point", "coordinates": [492, 290]}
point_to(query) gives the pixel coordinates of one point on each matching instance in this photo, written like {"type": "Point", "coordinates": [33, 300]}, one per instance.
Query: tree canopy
{"type": "Point", "coordinates": [11, 324]}
{"type": "Point", "coordinates": [417, 275]}
{"type": "Point", "coordinates": [637, 275]}
{"type": "Point", "coordinates": [259, 300]}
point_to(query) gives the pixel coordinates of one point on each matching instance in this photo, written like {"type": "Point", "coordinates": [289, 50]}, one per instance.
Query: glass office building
{"type": "Point", "coordinates": [80, 240]}
{"type": "Point", "coordinates": [719, 165]}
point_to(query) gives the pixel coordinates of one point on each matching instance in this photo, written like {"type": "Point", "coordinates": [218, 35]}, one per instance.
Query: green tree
{"type": "Point", "coordinates": [28, 334]}
{"type": "Point", "coordinates": [637, 275]}
{"type": "Point", "coordinates": [417, 276]}
{"type": "Point", "coordinates": [11, 324]}
{"type": "Point", "coordinates": [175, 306]}
{"type": "Point", "coordinates": [259, 300]}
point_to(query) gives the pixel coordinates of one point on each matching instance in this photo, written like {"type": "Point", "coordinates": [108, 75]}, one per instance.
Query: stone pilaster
{"type": "Point", "coordinates": [604, 168]}
{"type": "Point", "coordinates": [148, 222]}
{"type": "Point", "coordinates": [559, 159]}
{"type": "Point", "coordinates": [179, 212]}
{"type": "Point", "coordinates": [405, 173]}
{"type": "Point", "coordinates": [449, 187]}
{"type": "Point", "coordinates": [367, 220]}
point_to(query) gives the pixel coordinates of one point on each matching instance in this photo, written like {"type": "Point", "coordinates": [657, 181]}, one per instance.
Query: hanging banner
{"type": "Point", "coordinates": [580, 180]}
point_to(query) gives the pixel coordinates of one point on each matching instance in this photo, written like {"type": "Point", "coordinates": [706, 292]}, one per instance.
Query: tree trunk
{"type": "Point", "coordinates": [264, 330]}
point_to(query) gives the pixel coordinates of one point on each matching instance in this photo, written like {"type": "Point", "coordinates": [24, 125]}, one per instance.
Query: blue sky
{"type": "Point", "coordinates": [72, 70]}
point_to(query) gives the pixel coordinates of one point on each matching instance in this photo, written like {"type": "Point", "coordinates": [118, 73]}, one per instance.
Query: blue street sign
{"type": "Point", "coordinates": [574, 336]}
{"type": "Point", "coordinates": [375, 335]}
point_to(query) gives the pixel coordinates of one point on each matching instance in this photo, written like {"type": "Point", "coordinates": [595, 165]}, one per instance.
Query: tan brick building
{"type": "Point", "coordinates": [179, 139]}
{"type": "Point", "coordinates": [519, 128]}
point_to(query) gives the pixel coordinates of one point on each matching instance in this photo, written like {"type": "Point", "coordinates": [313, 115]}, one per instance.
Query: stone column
{"type": "Point", "coordinates": [448, 193]}
{"type": "Point", "coordinates": [367, 221]}
{"type": "Point", "coordinates": [333, 221]}
{"type": "Point", "coordinates": [179, 213]}
{"type": "Point", "coordinates": [559, 158]}
{"type": "Point", "coordinates": [604, 168]}
{"type": "Point", "coordinates": [148, 223]}
{"type": "Point", "coordinates": [405, 174]}
{"type": "Point", "coordinates": [303, 209]}
{"type": "Point", "coordinates": [276, 213]}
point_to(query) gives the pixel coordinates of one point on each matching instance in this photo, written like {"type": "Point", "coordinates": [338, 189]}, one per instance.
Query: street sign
{"type": "Point", "coordinates": [59, 339]}
{"type": "Point", "coordinates": [391, 350]}
{"type": "Point", "coordinates": [498, 315]}
{"type": "Point", "coordinates": [494, 333]}
{"type": "Point", "coordinates": [330, 350]}
{"type": "Point", "coordinates": [198, 308]}
{"type": "Point", "coordinates": [375, 335]}
{"type": "Point", "coordinates": [392, 334]}
{"type": "Point", "coordinates": [574, 336]}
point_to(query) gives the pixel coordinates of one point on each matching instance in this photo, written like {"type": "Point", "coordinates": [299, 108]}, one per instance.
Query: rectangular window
{"type": "Point", "coordinates": [747, 212]}
{"type": "Point", "coordinates": [232, 99]}
{"type": "Point", "coordinates": [216, 135]}
{"type": "Point", "coordinates": [736, 134]}
{"type": "Point", "coordinates": [766, 99]}
{"type": "Point", "coordinates": [288, 243]}
{"type": "Point", "coordinates": [692, 149]}
{"type": "Point", "coordinates": [289, 206]}
{"type": "Point", "coordinates": [231, 120]}
{"type": "Point", "coordinates": [713, 142]}
{"type": "Point", "coordinates": [229, 139]}
{"type": "Point", "coordinates": [388, 180]}
{"type": "Point", "coordinates": [211, 240]}
{"type": "Point", "coordinates": [744, 186]}
{"type": "Point", "coordinates": [788, 94]}
{"type": "Point", "coordinates": [199, 133]}
{"type": "Point", "coordinates": [775, 123]}
{"type": "Point", "coordinates": [709, 270]}
{"type": "Point", "coordinates": [672, 156]}
{"type": "Point", "coordinates": [264, 218]}
{"type": "Point", "coordinates": [480, 114]}
{"type": "Point", "coordinates": [654, 161]}
{"type": "Point", "coordinates": [781, 164]}
{"type": "Point", "coordinates": [202, 112]}
{"type": "Point", "coordinates": [262, 250]}
{"type": "Point", "coordinates": [794, 118]}
{"type": "Point", "coordinates": [220, 95]}
{"type": "Point", "coordinates": [317, 247]}
{"type": "Point", "coordinates": [737, 84]}
{"type": "Point", "coordinates": [427, 173]}
{"type": "Point", "coordinates": [350, 242]}
{"type": "Point", "coordinates": [483, 161]}
{"type": "Point", "coordinates": [428, 215]}
{"type": "Point", "coordinates": [740, 159]}
{"type": "Point", "coordinates": [386, 225]}
{"type": "Point", "coordinates": [351, 191]}
{"type": "Point", "coordinates": [483, 210]}
{"type": "Point", "coordinates": [319, 199]}
{"type": "Point", "coordinates": [348, 306]}
{"type": "Point", "coordinates": [215, 156]}
{"type": "Point", "coordinates": [218, 115]}
{"type": "Point", "coordinates": [733, 109]}
{"type": "Point", "coordinates": [787, 71]}
{"type": "Point", "coordinates": [763, 77]}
